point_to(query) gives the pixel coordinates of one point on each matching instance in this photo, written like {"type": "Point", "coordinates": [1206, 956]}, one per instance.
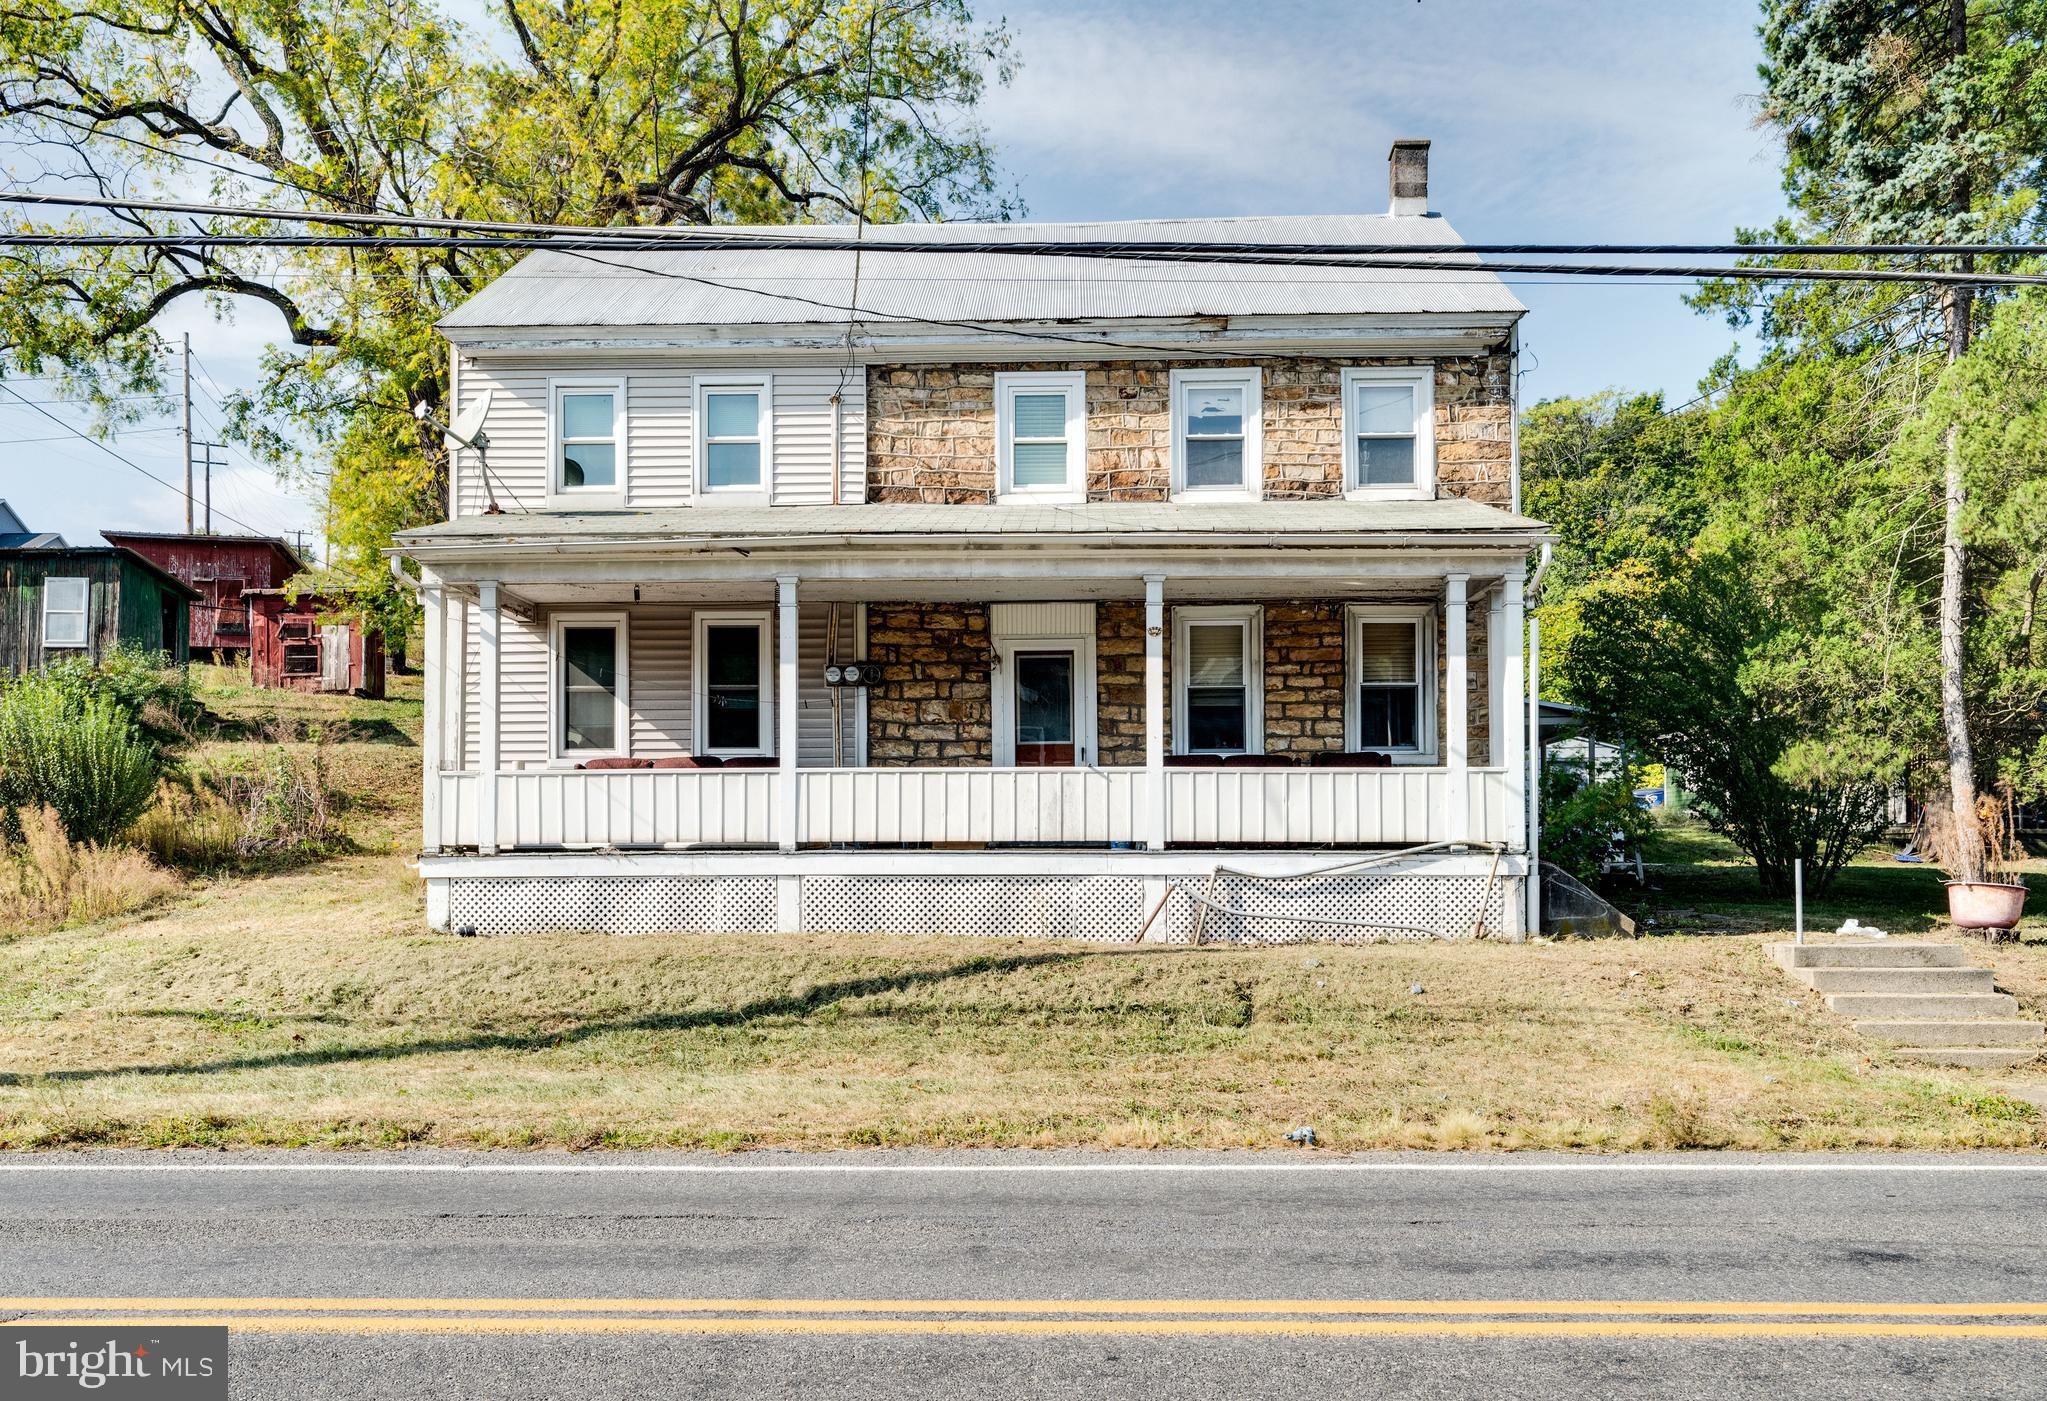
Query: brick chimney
{"type": "Point", "coordinates": [1407, 176]}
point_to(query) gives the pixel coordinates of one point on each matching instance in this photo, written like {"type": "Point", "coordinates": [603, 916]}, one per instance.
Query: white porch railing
{"type": "Point", "coordinates": [617, 807]}
{"type": "Point", "coordinates": [1075, 806]}
{"type": "Point", "coordinates": [926, 806]}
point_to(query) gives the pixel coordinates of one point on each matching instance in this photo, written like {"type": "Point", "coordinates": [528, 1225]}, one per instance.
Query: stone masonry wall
{"type": "Point", "coordinates": [933, 705]}
{"type": "Point", "coordinates": [931, 429]}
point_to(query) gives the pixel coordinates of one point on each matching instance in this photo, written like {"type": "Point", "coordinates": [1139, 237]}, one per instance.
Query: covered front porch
{"type": "Point", "coordinates": [1014, 710]}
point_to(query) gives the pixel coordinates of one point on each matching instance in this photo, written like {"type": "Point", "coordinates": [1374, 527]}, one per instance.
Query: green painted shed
{"type": "Point", "coordinates": [57, 602]}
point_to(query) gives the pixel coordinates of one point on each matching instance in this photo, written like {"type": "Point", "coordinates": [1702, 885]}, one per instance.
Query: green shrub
{"type": "Point", "coordinates": [154, 691]}
{"type": "Point", "coordinates": [1585, 821]}
{"type": "Point", "coordinates": [76, 753]}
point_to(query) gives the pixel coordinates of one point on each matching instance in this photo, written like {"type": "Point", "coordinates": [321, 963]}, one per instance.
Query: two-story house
{"type": "Point", "coordinates": [1018, 600]}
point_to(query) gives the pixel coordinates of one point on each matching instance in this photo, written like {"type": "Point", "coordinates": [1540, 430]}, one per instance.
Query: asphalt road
{"type": "Point", "coordinates": [883, 1276]}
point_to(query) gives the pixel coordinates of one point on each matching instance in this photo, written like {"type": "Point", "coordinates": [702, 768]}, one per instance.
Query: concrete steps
{"type": "Point", "coordinates": [1926, 998]}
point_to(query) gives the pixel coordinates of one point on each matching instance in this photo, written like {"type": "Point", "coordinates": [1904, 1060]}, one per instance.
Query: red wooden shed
{"type": "Point", "coordinates": [291, 648]}
{"type": "Point", "coordinates": [224, 569]}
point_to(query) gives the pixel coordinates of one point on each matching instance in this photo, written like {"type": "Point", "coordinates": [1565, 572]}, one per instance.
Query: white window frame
{"type": "Point", "coordinates": [83, 612]}
{"type": "Point", "coordinates": [1250, 379]}
{"type": "Point", "coordinates": [1425, 620]}
{"type": "Point", "coordinates": [559, 495]}
{"type": "Point", "coordinates": [1071, 383]}
{"type": "Point", "coordinates": [558, 753]}
{"type": "Point", "coordinates": [1422, 378]}
{"type": "Point", "coordinates": [1252, 617]}
{"type": "Point", "coordinates": [699, 689]}
{"type": "Point", "coordinates": [701, 490]}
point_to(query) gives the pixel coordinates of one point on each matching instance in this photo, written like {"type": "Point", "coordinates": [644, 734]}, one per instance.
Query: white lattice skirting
{"type": "Point", "coordinates": [1108, 908]}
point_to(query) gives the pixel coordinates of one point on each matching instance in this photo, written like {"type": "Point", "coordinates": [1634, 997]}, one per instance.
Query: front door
{"type": "Point", "coordinates": [1044, 707]}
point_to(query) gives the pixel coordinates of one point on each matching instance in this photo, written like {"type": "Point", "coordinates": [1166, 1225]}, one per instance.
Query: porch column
{"type": "Point", "coordinates": [1155, 711]}
{"type": "Point", "coordinates": [786, 703]}
{"type": "Point", "coordinates": [1457, 707]}
{"type": "Point", "coordinates": [1496, 690]}
{"type": "Point", "coordinates": [1513, 719]}
{"type": "Point", "coordinates": [455, 681]}
{"type": "Point", "coordinates": [433, 623]}
{"type": "Point", "coordinates": [487, 719]}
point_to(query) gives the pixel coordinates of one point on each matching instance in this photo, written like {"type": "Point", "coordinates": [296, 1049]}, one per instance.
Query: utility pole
{"type": "Point", "coordinates": [209, 464]}
{"type": "Point", "coordinates": [187, 434]}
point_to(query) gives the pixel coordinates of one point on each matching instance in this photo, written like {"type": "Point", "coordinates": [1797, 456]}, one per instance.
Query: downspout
{"type": "Point", "coordinates": [1533, 885]}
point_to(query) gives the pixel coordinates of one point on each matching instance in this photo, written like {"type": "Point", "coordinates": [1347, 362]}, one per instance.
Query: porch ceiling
{"type": "Point", "coordinates": [1185, 589]}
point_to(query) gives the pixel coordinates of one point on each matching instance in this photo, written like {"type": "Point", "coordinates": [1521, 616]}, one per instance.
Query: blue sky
{"type": "Point", "coordinates": [1565, 121]}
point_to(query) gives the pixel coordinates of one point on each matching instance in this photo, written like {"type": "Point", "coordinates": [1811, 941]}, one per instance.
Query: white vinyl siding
{"type": "Point", "coordinates": [659, 427]}
{"type": "Point", "coordinates": [659, 637]}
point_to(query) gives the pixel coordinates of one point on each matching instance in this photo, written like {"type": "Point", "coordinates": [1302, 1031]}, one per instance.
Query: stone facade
{"type": "Point", "coordinates": [931, 429]}
{"type": "Point", "coordinates": [933, 705]}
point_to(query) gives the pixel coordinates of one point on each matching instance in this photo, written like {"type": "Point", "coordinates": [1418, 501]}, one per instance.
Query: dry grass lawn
{"type": "Point", "coordinates": [313, 1008]}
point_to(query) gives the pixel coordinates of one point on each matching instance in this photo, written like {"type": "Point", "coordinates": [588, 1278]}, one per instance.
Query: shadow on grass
{"type": "Point", "coordinates": [298, 729]}
{"type": "Point", "coordinates": [783, 1005]}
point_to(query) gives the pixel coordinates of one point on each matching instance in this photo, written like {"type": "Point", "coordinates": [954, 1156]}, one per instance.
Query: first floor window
{"type": "Point", "coordinates": [590, 719]}
{"type": "Point", "coordinates": [587, 438]}
{"type": "Point", "coordinates": [1217, 661]}
{"type": "Point", "coordinates": [1388, 666]}
{"type": "Point", "coordinates": [64, 601]}
{"type": "Point", "coordinates": [732, 667]}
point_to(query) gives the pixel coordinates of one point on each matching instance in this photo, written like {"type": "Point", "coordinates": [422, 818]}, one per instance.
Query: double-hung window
{"type": "Point", "coordinates": [1392, 672]}
{"type": "Point", "coordinates": [1217, 693]}
{"type": "Point", "coordinates": [735, 435]}
{"type": "Point", "coordinates": [735, 704]}
{"type": "Point", "coordinates": [64, 610]}
{"type": "Point", "coordinates": [1041, 436]}
{"type": "Point", "coordinates": [591, 719]}
{"type": "Point", "coordinates": [589, 440]}
{"type": "Point", "coordinates": [1389, 432]}
{"type": "Point", "coordinates": [1216, 450]}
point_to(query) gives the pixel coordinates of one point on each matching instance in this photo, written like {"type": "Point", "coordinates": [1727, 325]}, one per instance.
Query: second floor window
{"type": "Point", "coordinates": [1216, 433]}
{"type": "Point", "coordinates": [732, 438]}
{"type": "Point", "coordinates": [586, 439]}
{"type": "Point", "coordinates": [1389, 447]}
{"type": "Point", "coordinates": [1041, 437]}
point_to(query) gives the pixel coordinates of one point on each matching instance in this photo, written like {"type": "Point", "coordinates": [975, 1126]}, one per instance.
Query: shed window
{"type": "Point", "coordinates": [587, 435]}
{"type": "Point", "coordinates": [1040, 434]}
{"type": "Point", "coordinates": [64, 611]}
{"type": "Point", "coordinates": [1216, 654]}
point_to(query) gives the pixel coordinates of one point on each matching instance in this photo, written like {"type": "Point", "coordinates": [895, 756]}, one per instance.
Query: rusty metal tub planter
{"type": "Point", "coordinates": [1985, 904]}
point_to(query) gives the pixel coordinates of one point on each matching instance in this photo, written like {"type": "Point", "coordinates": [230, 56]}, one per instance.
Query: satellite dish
{"type": "Point", "coordinates": [467, 429]}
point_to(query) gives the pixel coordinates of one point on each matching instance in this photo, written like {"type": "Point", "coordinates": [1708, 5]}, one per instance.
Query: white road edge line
{"type": "Point", "coordinates": [800, 1169]}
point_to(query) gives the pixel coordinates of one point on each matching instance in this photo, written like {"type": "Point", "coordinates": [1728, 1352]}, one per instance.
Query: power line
{"type": "Point", "coordinates": [727, 237]}
{"type": "Point", "coordinates": [125, 462]}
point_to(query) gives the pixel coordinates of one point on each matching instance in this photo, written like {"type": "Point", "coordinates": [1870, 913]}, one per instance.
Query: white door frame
{"type": "Point", "coordinates": [1082, 645]}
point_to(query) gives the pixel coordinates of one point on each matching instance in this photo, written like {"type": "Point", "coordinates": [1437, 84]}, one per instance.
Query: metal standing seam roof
{"type": "Point", "coordinates": [606, 290]}
{"type": "Point", "coordinates": [1300, 521]}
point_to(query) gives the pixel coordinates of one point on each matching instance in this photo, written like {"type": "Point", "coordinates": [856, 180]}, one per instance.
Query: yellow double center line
{"type": "Point", "coordinates": [1339, 1318]}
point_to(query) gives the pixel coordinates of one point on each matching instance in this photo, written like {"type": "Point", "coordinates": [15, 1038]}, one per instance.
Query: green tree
{"type": "Point", "coordinates": [584, 112]}
{"type": "Point", "coordinates": [1706, 664]}
{"type": "Point", "coordinates": [1905, 121]}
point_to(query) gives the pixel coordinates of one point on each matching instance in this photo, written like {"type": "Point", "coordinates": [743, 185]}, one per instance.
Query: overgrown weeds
{"type": "Point", "coordinates": [278, 807]}
{"type": "Point", "coordinates": [46, 879]}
